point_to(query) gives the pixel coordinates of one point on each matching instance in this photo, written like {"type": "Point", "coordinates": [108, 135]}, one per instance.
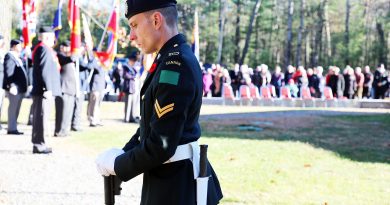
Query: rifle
{"type": "Point", "coordinates": [112, 187]}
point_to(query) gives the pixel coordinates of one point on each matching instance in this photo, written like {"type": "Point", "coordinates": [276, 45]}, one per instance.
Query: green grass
{"type": "Point", "coordinates": [325, 160]}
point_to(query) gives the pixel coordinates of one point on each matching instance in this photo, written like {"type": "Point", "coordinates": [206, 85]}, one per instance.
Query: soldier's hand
{"type": "Point", "coordinates": [13, 90]}
{"type": "Point", "coordinates": [105, 161]}
{"type": "Point", "coordinates": [47, 94]}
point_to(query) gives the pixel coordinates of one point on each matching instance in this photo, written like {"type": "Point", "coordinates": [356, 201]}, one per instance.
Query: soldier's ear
{"type": "Point", "coordinates": [157, 20]}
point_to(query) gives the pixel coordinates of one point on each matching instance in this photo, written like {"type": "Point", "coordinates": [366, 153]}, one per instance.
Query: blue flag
{"type": "Point", "coordinates": [57, 24]}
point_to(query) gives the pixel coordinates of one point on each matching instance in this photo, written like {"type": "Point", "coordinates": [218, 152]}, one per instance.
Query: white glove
{"type": "Point", "coordinates": [47, 94]}
{"type": "Point", "coordinates": [105, 161]}
{"type": "Point", "coordinates": [29, 88]}
{"type": "Point", "coordinates": [13, 90]}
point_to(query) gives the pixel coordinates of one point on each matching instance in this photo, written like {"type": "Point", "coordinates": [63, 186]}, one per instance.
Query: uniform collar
{"type": "Point", "coordinates": [171, 43]}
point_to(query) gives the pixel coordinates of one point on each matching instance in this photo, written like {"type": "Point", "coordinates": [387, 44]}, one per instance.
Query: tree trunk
{"type": "Point", "coordinates": [382, 48]}
{"type": "Point", "coordinates": [254, 14]}
{"type": "Point", "coordinates": [6, 22]}
{"type": "Point", "coordinates": [274, 25]}
{"type": "Point", "coordinates": [328, 37]}
{"type": "Point", "coordinates": [238, 32]}
{"type": "Point", "coordinates": [287, 54]}
{"type": "Point", "coordinates": [318, 38]}
{"type": "Point", "coordinates": [300, 33]}
{"type": "Point", "coordinates": [222, 20]}
{"type": "Point", "coordinates": [346, 36]}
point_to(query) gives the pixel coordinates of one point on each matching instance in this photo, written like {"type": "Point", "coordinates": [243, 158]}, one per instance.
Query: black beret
{"type": "Point", "coordinates": [134, 7]}
{"type": "Point", "coordinates": [46, 29]}
{"type": "Point", "coordinates": [15, 42]}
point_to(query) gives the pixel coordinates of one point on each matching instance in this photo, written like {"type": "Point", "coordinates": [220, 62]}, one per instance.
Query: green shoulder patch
{"type": "Point", "coordinates": [169, 77]}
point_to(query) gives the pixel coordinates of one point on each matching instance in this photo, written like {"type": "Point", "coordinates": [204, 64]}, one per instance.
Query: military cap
{"type": "Point", "coordinates": [134, 7]}
{"type": "Point", "coordinates": [65, 43]}
{"type": "Point", "coordinates": [46, 29]}
{"type": "Point", "coordinates": [15, 42]}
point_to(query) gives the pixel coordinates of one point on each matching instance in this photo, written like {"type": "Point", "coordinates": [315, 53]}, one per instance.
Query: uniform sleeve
{"type": "Point", "coordinates": [9, 69]}
{"type": "Point", "coordinates": [44, 64]}
{"type": "Point", "coordinates": [172, 98]}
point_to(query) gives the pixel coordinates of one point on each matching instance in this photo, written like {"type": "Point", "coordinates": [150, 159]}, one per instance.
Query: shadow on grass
{"type": "Point", "coordinates": [363, 137]}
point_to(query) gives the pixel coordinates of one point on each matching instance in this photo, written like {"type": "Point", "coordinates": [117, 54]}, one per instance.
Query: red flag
{"type": "Point", "coordinates": [29, 21]}
{"type": "Point", "coordinates": [107, 57]}
{"type": "Point", "coordinates": [74, 23]}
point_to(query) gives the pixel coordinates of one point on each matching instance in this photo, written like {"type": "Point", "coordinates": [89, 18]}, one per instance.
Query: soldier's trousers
{"type": "Point", "coordinates": [41, 113]}
{"type": "Point", "coordinates": [64, 112]}
{"type": "Point", "coordinates": [15, 101]}
{"type": "Point", "coordinates": [129, 107]}
{"type": "Point", "coordinates": [95, 99]}
{"type": "Point", "coordinates": [78, 107]}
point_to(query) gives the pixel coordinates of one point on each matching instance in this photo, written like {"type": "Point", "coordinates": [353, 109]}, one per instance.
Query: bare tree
{"type": "Point", "coordinates": [222, 21]}
{"type": "Point", "coordinates": [346, 35]}
{"type": "Point", "coordinates": [287, 54]}
{"type": "Point", "coordinates": [254, 14]}
{"type": "Point", "coordinates": [300, 32]}
{"type": "Point", "coordinates": [327, 30]}
{"type": "Point", "coordinates": [238, 32]}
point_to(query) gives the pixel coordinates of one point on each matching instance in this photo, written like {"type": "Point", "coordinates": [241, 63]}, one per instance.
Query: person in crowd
{"type": "Point", "coordinates": [2, 45]}
{"type": "Point", "coordinates": [380, 83]}
{"type": "Point", "coordinates": [207, 82]}
{"type": "Point", "coordinates": [319, 70]}
{"type": "Point", "coordinates": [15, 83]}
{"type": "Point", "coordinates": [277, 80]}
{"type": "Point", "coordinates": [236, 77]}
{"type": "Point", "coordinates": [359, 82]}
{"type": "Point", "coordinates": [265, 75]}
{"type": "Point", "coordinates": [171, 102]}
{"type": "Point", "coordinates": [313, 83]}
{"type": "Point", "coordinates": [350, 82]}
{"type": "Point", "coordinates": [69, 86]}
{"type": "Point", "coordinates": [288, 74]}
{"type": "Point", "coordinates": [117, 77]}
{"type": "Point", "coordinates": [368, 80]}
{"type": "Point", "coordinates": [293, 88]}
{"type": "Point", "coordinates": [216, 86]}
{"type": "Point", "coordinates": [129, 88]}
{"type": "Point", "coordinates": [97, 87]}
{"type": "Point", "coordinates": [256, 77]}
{"type": "Point", "coordinates": [46, 85]}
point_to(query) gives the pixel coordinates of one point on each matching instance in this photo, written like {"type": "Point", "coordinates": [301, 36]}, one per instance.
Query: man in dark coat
{"type": "Point", "coordinates": [97, 86]}
{"type": "Point", "coordinates": [1, 74]}
{"type": "Point", "coordinates": [46, 85]}
{"type": "Point", "coordinates": [129, 86]}
{"type": "Point", "coordinates": [170, 107]}
{"type": "Point", "coordinates": [15, 83]}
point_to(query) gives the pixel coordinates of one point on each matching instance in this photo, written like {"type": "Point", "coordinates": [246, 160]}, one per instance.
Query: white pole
{"type": "Point", "coordinates": [105, 28]}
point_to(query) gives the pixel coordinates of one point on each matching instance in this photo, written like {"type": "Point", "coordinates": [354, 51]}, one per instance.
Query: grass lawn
{"type": "Point", "coordinates": [294, 159]}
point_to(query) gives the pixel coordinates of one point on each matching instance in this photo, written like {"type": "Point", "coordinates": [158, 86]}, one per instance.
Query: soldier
{"type": "Point", "coordinates": [1, 74]}
{"type": "Point", "coordinates": [15, 83]}
{"type": "Point", "coordinates": [46, 85]}
{"type": "Point", "coordinates": [170, 106]}
{"type": "Point", "coordinates": [97, 86]}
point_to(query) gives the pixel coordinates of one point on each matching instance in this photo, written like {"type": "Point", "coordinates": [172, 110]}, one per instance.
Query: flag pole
{"type": "Point", "coordinates": [105, 28]}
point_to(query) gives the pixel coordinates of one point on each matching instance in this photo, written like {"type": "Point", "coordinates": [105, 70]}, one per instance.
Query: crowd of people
{"type": "Point", "coordinates": [351, 83]}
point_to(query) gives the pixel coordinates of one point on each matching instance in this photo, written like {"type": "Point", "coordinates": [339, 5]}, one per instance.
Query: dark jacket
{"type": "Point", "coordinates": [1, 74]}
{"type": "Point", "coordinates": [129, 75]}
{"type": "Point", "coordinates": [46, 75]}
{"type": "Point", "coordinates": [14, 74]}
{"type": "Point", "coordinates": [171, 100]}
{"type": "Point", "coordinates": [68, 74]}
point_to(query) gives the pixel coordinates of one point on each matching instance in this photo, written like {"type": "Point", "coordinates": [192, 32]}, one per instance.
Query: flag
{"type": "Point", "coordinates": [195, 35]}
{"type": "Point", "coordinates": [87, 33]}
{"type": "Point", "coordinates": [74, 23]}
{"type": "Point", "coordinates": [107, 57]}
{"type": "Point", "coordinates": [29, 21]}
{"type": "Point", "coordinates": [57, 24]}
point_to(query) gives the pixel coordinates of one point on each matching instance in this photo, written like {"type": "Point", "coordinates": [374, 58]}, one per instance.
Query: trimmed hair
{"type": "Point", "coordinates": [170, 14]}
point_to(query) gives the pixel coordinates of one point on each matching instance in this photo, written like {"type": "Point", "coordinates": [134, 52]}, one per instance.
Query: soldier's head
{"type": "Point", "coordinates": [152, 23]}
{"type": "Point", "coordinates": [16, 45]}
{"type": "Point", "coordinates": [46, 35]}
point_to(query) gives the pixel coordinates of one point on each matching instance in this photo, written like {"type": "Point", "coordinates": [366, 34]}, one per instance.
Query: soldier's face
{"type": "Point", "coordinates": [143, 32]}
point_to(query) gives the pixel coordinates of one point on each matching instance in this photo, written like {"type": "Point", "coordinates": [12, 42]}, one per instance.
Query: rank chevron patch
{"type": "Point", "coordinates": [162, 111]}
